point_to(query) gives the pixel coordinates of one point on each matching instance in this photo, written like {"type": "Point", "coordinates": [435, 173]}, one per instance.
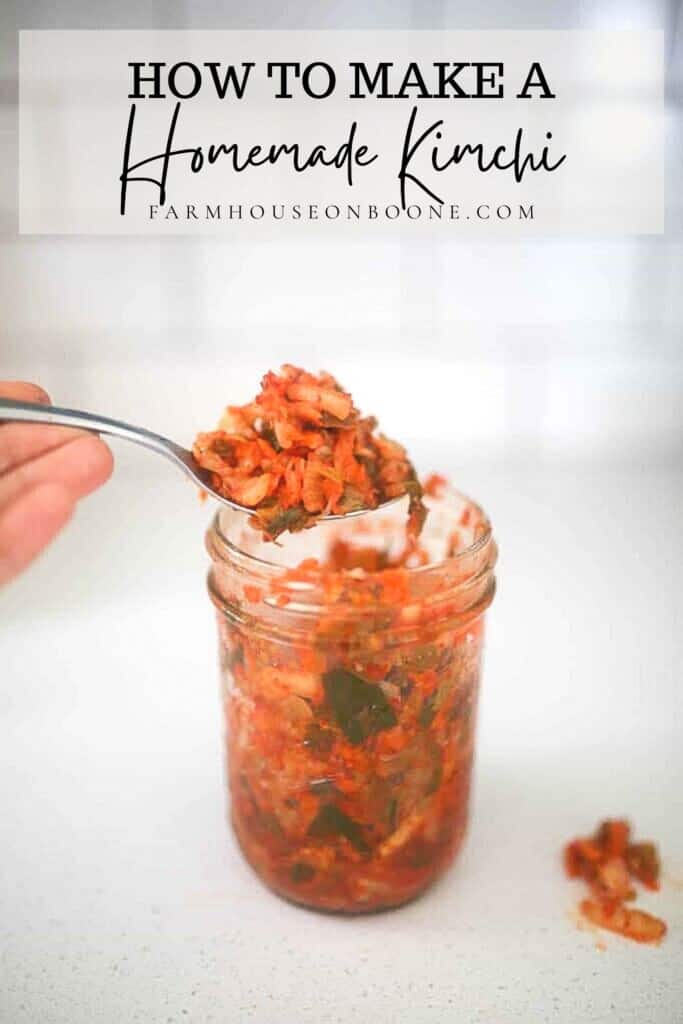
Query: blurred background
{"type": "Point", "coordinates": [546, 377]}
{"type": "Point", "coordinates": [524, 350]}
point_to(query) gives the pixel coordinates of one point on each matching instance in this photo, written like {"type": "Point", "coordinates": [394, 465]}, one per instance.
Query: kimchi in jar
{"type": "Point", "coordinates": [350, 680]}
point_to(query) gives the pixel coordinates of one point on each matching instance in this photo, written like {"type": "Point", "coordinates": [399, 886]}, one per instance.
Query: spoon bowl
{"type": "Point", "coordinates": [29, 412]}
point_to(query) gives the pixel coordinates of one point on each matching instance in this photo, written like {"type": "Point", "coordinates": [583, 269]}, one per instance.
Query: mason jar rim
{"type": "Point", "coordinates": [250, 590]}
{"type": "Point", "coordinates": [484, 537]}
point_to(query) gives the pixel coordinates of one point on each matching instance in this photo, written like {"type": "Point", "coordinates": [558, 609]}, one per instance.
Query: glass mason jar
{"type": "Point", "coordinates": [350, 697]}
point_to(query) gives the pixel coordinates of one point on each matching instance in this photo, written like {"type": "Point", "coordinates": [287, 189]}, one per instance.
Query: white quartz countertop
{"type": "Point", "coordinates": [122, 895]}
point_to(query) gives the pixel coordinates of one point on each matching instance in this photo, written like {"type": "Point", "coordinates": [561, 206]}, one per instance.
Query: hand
{"type": "Point", "coordinates": [44, 470]}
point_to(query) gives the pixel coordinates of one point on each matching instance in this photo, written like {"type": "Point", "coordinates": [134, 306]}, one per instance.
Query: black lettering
{"type": "Point", "coordinates": [381, 76]}
{"type": "Point", "coordinates": [496, 87]}
{"type": "Point", "coordinates": [536, 80]}
{"type": "Point", "coordinates": [196, 80]}
{"type": "Point", "coordinates": [230, 79]}
{"type": "Point", "coordinates": [138, 79]}
{"type": "Point", "coordinates": [331, 80]}
{"type": "Point", "coordinates": [283, 91]}
{"type": "Point", "coordinates": [449, 80]}
{"type": "Point", "coordinates": [413, 80]}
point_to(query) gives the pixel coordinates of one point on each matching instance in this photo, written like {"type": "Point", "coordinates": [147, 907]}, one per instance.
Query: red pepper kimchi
{"type": "Point", "coordinates": [301, 450]}
{"type": "Point", "coordinates": [350, 694]}
{"type": "Point", "coordinates": [610, 862]}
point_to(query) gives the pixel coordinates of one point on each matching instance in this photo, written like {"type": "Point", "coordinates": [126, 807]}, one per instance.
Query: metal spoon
{"type": "Point", "coordinates": [28, 412]}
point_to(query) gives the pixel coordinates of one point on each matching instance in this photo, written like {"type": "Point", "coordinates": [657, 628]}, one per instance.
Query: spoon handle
{"type": "Point", "coordinates": [28, 412]}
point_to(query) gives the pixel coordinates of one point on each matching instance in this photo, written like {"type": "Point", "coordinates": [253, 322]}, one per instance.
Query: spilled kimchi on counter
{"type": "Point", "coordinates": [350, 654]}
{"type": "Point", "coordinates": [610, 862]}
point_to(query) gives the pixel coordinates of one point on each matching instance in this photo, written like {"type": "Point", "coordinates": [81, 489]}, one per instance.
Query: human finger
{"type": "Point", "coordinates": [21, 442]}
{"type": "Point", "coordinates": [80, 465]}
{"type": "Point", "coordinates": [23, 391]}
{"type": "Point", "coordinates": [28, 524]}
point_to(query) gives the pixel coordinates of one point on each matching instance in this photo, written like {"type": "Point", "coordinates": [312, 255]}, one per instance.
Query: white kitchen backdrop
{"type": "Point", "coordinates": [527, 350]}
